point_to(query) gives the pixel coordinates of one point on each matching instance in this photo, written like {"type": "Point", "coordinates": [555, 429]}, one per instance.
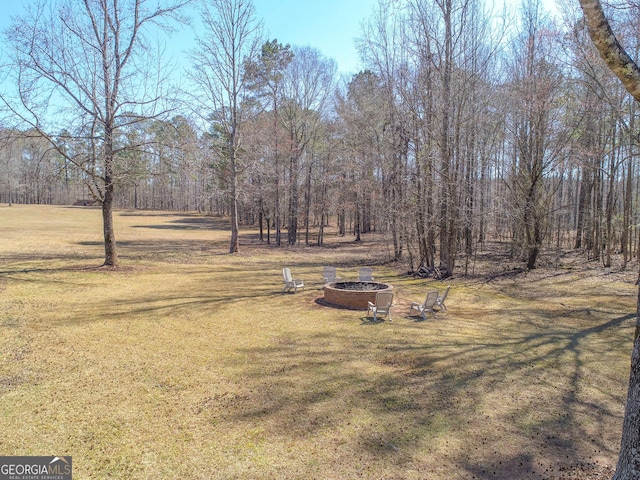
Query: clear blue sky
{"type": "Point", "coordinates": [328, 25]}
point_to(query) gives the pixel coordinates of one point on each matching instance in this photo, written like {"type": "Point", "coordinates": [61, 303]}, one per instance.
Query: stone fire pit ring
{"type": "Point", "coordinates": [354, 295]}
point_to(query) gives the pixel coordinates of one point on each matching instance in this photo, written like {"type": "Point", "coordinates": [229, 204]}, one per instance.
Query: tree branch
{"type": "Point", "coordinates": [616, 58]}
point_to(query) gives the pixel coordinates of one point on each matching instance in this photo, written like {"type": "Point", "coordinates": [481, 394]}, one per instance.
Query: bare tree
{"type": "Point", "coordinates": [231, 41]}
{"type": "Point", "coordinates": [383, 49]}
{"type": "Point", "coordinates": [363, 113]}
{"type": "Point", "coordinates": [623, 66]}
{"type": "Point", "coordinates": [86, 64]}
{"type": "Point", "coordinates": [535, 84]}
{"type": "Point", "coordinates": [266, 75]}
{"type": "Point", "coordinates": [307, 89]}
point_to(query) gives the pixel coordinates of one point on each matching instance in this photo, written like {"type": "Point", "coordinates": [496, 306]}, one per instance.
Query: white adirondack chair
{"type": "Point", "coordinates": [384, 302]}
{"type": "Point", "coordinates": [365, 274]}
{"type": "Point", "coordinates": [426, 306]}
{"type": "Point", "coordinates": [289, 282]}
{"type": "Point", "coordinates": [330, 275]}
{"type": "Point", "coordinates": [441, 298]}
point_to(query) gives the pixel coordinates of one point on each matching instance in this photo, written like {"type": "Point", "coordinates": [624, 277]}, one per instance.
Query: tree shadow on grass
{"type": "Point", "coordinates": [485, 405]}
{"type": "Point", "coordinates": [190, 223]}
{"type": "Point", "coordinates": [162, 250]}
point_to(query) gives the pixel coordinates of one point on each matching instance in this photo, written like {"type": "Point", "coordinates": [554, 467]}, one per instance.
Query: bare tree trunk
{"type": "Point", "coordinates": [261, 217]}
{"type": "Point", "coordinates": [616, 58]}
{"type": "Point", "coordinates": [110, 246]}
{"type": "Point", "coordinates": [628, 194]}
{"type": "Point", "coordinates": [268, 222]}
{"type": "Point", "coordinates": [277, 220]}
{"type": "Point", "coordinates": [292, 231]}
{"type": "Point", "coordinates": [608, 241]}
{"type": "Point", "coordinates": [629, 74]}
{"type": "Point", "coordinates": [276, 207]}
{"type": "Point", "coordinates": [233, 245]}
{"type": "Point", "coordinates": [628, 467]}
{"type": "Point", "coordinates": [582, 199]}
{"type": "Point", "coordinates": [356, 222]}
{"type": "Point", "coordinates": [307, 203]}
{"type": "Point", "coordinates": [448, 215]}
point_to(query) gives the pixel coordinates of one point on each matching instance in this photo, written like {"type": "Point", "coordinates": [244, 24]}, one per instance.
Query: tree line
{"type": "Point", "coordinates": [464, 125]}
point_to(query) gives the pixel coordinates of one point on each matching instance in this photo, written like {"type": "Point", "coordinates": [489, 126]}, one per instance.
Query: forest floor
{"type": "Point", "coordinates": [188, 362]}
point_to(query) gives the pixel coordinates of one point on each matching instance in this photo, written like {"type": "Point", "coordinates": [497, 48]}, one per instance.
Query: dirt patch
{"type": "Point", "coordinates": [592, 471]}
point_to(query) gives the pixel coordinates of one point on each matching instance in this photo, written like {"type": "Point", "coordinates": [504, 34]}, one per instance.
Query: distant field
{"type": "Point", "coordinates": [189, 363]}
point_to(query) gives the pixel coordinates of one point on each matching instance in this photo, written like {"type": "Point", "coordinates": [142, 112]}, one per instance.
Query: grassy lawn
{"type": "Point", "coordinates": [189, 363]}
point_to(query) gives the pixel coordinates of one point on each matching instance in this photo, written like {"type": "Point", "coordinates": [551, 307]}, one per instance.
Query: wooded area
{"type": "Point", "coordinates": [465, 125]}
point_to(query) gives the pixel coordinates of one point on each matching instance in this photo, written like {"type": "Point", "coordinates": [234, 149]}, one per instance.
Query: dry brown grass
{"type": "Point", "coordinates": [189, 362]}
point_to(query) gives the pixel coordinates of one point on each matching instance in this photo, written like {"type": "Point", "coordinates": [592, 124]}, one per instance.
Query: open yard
{"type": "Point", "coordinates": [189, 363]}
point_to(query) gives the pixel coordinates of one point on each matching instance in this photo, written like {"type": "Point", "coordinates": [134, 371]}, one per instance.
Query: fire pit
{"type": "Point", "coordinates": [355, 295]}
